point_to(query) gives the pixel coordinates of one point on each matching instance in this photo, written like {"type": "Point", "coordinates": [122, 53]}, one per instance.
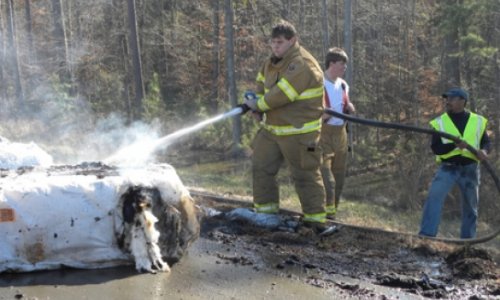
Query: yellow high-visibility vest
{"type": "Point", "coordinates": [474, 130]}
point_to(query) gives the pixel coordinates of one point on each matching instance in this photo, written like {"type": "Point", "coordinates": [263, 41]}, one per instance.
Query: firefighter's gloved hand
{"type": "Point", "coordinates": [250, 95]}
{"type": "Point", "coordinates": [251, 100]}
{"type": "Point", "coordinates": [244, 108]}
{"type": "Point", "coordinates": [252, 104]}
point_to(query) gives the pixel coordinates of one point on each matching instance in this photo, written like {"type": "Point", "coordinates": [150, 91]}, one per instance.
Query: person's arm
{"type": "Point", "coordinates": [350, 108]}
{"type": "Point", "coordinates": [438, 147]}
{"type": "Point", "coordinates": [485, 143]}
{"type": "Point", "coordinates": [259, 92]}
{"type": "Point", "coordinates": [295, 79]}
{"type": "Point", "coordinates": [484, 147]}
{"type": "Point", "coordinates": [260, 81]}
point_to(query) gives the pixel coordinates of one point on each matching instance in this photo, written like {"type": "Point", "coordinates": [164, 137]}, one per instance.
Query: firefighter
{"type": "Point", "coordinates": [289, 99]}
{"type": "Point", "coordinates": [457, 164]}
{"type": "Point", "coordinates": [334, 132]}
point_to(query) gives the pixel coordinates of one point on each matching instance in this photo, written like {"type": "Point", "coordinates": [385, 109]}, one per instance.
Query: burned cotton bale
{"type": "Point", "coordinates": [154, 231]}
{"type": "Point", "coordinates": [87, 212]}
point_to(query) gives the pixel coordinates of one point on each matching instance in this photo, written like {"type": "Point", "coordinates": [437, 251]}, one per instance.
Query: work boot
{"type": "Point", "coordinates": [330, 216]}
{"type": "Point", "coordinates": [321, 229]}
{"type": "Point", "coordinates": [331, 211]}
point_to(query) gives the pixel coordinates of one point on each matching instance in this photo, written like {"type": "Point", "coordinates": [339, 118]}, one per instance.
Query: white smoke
{"type": "Point", "coordinates": [15, 155]}
{"type": "Point", "coordinates": [73, 135]}
{"type": "Point", "coordinates": [125, 145]}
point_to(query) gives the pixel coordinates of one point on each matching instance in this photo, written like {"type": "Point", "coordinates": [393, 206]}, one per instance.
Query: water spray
{"type": "Point", "coordinates": [140, 151]}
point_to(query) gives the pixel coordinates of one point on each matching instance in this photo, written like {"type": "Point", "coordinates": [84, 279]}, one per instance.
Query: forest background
{"type": "Point", "coordinates": [78, 76]}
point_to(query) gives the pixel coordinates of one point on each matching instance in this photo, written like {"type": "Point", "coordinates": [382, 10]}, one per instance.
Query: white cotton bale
{"type": "Point", "coordinates": [51, 218]}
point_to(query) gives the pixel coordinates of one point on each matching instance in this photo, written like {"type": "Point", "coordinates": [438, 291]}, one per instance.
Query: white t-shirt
{"type": "Point", "coordinates": [336, 98]}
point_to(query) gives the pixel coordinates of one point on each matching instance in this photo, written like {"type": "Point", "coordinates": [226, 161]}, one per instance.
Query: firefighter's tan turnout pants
{"type": "Point", "coordinates": [303, 155]}
{"type": "Point", "coordinates": [333, 169]}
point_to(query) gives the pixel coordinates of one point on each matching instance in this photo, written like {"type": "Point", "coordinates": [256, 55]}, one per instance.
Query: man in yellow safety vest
{"type": "Point", "coordinates": [457, 164]}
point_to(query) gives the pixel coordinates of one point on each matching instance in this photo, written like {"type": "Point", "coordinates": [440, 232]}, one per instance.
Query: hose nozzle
{"type": "Point", "coordinates": [244, 108]}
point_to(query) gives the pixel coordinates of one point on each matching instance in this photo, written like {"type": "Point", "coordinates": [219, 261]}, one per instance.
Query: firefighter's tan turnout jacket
{"type": "Point", "coordinates": [291, 93]}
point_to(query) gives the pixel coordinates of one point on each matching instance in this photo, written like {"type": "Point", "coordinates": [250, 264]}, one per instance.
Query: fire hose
{"type": "Point", "coordinates": [242, 109]}
{"type": "Point", "coordinates": [397, 126]}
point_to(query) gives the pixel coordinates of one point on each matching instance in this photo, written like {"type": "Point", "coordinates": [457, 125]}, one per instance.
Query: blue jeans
{"type": "Point", "coordinates": [467, 178]}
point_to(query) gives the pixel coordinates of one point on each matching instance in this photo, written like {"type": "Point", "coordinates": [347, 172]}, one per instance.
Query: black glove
{"type": "Point", "coordinates": [244, 108]}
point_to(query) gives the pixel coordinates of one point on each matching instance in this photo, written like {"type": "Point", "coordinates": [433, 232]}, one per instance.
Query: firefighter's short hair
{"type": "Point", "coordinates": [334, 55]}
{"type": "Point", "coordinates": [285, 29]}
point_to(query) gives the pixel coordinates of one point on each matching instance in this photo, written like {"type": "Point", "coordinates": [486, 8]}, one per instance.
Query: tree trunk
{"type": "Point", "coordinates": [29, 31]}
{"type": "Point", "coordinates": [348, 38]}
{"type": "Point", "coordinates": [60, 47]}
{"type": "Point", "coordinates": [3, 89]}
{"type": "Point", "coordinates": [335, 29]}
{"type": "Point", "coordinates": [414, 65]}
{"type": "Point", "coordinates": [495, 124]}
{"type": "Point", "coordinates": [12, 52]}
{"type": "Point", "coordinates": [451, 64]}
{"type": "Point", "coordinates": [136, 60]}
{"type": "Point", "coordinates": [324, 25]}
{"type": "Point", "coordinates": [231, 82]}
{"type": "Point", "coordinates": [163, 68]}
{"type": "Point", "coordinates": [468, 74]}
{"type": "Point", "coordinates": [214, 95]}
{"type": "Point", "coordinates": [126, 78]}
{"type": "Point", "coordinates": [348, 50]}
{"type": "Point", "coordinates": [301, 14]}
{"type": "Point", "coordinates": [285, 9]}
{"type": "Point", "coordinates": [378, 36]}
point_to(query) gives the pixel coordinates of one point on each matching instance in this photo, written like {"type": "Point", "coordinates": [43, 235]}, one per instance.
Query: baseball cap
{"type": "Point", "coordinates": [456, 92]}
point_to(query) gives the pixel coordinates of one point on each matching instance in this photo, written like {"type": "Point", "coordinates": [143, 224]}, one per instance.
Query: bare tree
{"type": "Point", "coordinates": [348, 38]}
{"type": "Point", "coordinates": [2, 56]}
{"type": "Point", "coordinates": [496, 93]}
{"type": "Point", "coordinates": [324, 25]}
{"type": "Point", "coordinates": [451, 61]}
{"type": "Point", "coordinates": [398, 54]}
{"type": "Point", "coordinates": [336, 18]}
{"type": "Point", "coordinates": [214, 95]}
{"type": "Point", "coordinates": [163, 63]}
{"type": "Point", "coordinates": [348, 49]}
{"type": "Point", "coordinates": [29, 30]}
{"type": "Point", "coordinates": [136, 60]}
{"type": "Point", "coordinates": [231, 82]}
{"type": "Point", "coordinates": [301, 13]}
{"type": "Point", "coordinates": [12, 53]}
{"type": "Point", "coordinates": [60, 47]}
{"type": "Point", "coordinates": [127, 77]}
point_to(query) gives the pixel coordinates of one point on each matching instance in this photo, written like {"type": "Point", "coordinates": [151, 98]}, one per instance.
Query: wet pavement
{"type": "Point", "coordinates": [199, 275]}
{"type": "Point", "coordinates": [211, 270]}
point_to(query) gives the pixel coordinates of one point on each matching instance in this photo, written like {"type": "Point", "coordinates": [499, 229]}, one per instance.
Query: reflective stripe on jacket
{"type": "Point", "coordinates": [474, 130]}
{"type": "Point", "coordinates": [289, 129]}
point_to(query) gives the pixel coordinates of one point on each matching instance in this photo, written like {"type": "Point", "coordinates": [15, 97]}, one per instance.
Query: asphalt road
{"type": "Point", "coordinates": [204, 273]}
